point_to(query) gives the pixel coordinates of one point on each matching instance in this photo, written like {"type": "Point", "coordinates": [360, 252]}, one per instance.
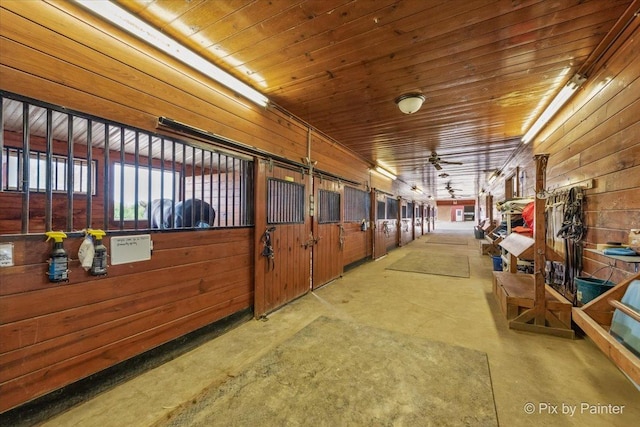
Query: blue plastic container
{"type": "Point", "coordinates": [497, 263]}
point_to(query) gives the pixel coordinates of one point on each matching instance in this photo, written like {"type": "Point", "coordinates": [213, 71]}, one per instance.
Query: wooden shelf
{"type": "Point", "coordinates": [630, 259]}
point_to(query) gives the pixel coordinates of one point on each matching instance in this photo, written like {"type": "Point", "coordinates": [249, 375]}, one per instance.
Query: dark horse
{"type": "Point", "coordinates": [188, 213]}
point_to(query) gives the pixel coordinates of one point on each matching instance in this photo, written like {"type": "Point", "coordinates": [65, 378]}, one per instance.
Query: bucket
{"type": "Point", "coordinates": [479, 232]}
{"type": "Point", "coordinates": [589, 288]}
{"type": "Point", "coordinates": [497, 263]}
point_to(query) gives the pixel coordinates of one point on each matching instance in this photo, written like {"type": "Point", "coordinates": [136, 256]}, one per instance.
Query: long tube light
{"type": "Point", "coordinates": [494, 176]}
{"type": "Point", "coordinates": [563, 96]}
{"type": "Point", "coordinates": [146, 32]}
{"type": "Point", "coordinates": [385, 172]}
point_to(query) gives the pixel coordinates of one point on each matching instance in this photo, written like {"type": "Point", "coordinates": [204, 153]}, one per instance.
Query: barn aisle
{"type": "Point", "coordinates": [529, 372]}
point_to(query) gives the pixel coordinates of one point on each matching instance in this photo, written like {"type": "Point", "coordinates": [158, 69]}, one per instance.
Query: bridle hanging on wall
{"type": "Point", "coordinates": [267, 250]}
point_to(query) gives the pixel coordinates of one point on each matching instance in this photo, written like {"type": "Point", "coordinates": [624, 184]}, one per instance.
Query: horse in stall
{"type": "Point", "coordinates": [188, 213]}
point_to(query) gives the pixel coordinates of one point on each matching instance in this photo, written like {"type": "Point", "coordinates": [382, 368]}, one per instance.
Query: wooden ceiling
{"type": "Point", "coordinates": [486, 68]}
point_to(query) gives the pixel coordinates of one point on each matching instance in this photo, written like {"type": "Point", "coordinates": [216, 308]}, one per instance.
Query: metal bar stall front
{"type": "Point", "coordinates": [48, 172]}
{"type": "Point", "coordinates": [69, 170]}
{"type": "Point", "coordinates": [89, 172]}
{"type": "Point", "coordinates": [106, 168]}
{"type": "Point", "coordinates": [25, 185]}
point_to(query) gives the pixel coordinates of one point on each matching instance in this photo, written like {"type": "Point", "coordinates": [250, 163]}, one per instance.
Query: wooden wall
{"type": "Point", "coordinates": [596, 138]}
{"type": "Point", "coordinates": [53, 334]}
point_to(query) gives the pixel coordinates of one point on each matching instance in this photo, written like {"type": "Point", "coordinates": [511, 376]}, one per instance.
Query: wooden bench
{"type": "Point", "coordinates": [515, 291]}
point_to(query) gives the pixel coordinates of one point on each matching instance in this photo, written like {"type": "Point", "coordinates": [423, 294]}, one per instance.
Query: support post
{"type": "Point", "coordinates": [538, 318]}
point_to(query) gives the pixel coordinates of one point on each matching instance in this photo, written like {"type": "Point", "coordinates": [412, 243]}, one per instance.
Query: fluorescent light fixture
{"type": "Point", "coordinates": [563, 96]}
{"type": "Point", "coordinates": [494, 175]}
{"type": "Point", "coordinates": [385, 172]}
{"type": "Point", "coordinates": [147, 33]}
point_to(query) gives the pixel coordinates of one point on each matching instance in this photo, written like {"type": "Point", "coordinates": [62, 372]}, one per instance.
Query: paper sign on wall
{"type": "Point", "coordinates": [6, 254]}
{"type": "Point", "coordinates": [125, 249]}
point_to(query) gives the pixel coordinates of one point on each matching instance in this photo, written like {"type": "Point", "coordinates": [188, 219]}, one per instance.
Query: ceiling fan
{"type": "Point", "coordinates": [449, 188]}
{"type": "Point", "coordinates": [436, 161]}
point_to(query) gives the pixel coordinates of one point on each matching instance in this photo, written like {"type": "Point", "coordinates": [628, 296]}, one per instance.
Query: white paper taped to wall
{"type": "Point", "coordinates": [125, 249]}
{"type": "Point", "coordinates": [6, 254]}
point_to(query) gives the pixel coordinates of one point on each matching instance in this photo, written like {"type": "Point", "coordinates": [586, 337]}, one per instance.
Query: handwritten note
{"type": "Point", "coordinates": [125, 249]}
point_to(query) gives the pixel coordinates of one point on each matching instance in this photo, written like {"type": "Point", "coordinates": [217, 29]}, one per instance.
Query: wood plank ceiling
{"type": "Point", "coordinates": [486, 68]}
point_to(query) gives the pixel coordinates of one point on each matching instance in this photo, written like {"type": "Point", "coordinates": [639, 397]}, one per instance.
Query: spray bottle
{"type": "Point", "coordinates": [59, 262]}
{"type": "Point", "coordinates": [99, 265]}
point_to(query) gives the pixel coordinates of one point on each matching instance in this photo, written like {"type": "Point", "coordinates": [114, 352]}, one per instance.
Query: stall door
{"type": "Point", "coordinates": [328, 232]}
{"type": "Point", "coordinates": [406, 224]}
{"type": "Point", "coordinates": [417, 221]}
{"type": "Point", "coordinates": [381, 230]}
{"type": "Point", "coordinates": [283, 242]}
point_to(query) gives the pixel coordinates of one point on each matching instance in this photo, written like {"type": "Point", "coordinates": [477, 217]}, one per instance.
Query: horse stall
{"type": "Point", "coordinates": [169, 210]}
{"type": "Point", "coordinates": [181, 234]}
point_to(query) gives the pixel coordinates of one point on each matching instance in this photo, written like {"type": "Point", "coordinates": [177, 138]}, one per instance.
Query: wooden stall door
{"type": "Point", "coordinates": [405, 225]}
{"type": "Point", "coordinates": [282, 220]}
{"type": "Point", "coordinates": [417, 221]}
{"type": "Point", "coordinates": [328, 232]}
{"type": "Point", "coordinates": [381, 225]}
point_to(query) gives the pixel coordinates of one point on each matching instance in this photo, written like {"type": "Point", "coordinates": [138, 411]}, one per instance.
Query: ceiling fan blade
{"type": "Point", "coordinates": [437, 166]}
{"type": "Point", "coordinates": [451, 163]}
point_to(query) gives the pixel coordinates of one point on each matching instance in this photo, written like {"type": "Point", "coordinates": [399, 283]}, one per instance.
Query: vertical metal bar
{"type": "Point", "coordinates": [202, 201]}
{"type": "Point", "coordinates": [149, 187]}
{"type": "Point", "coordinates": [136, 164]}
{"type": "Point", "coordinates": [226, 190]}
{"type": "Point", "coordinates": [211, 186]}
{"type": "Point", "coordinates": [233, 193]}
{"type": "Point", "coordinates": [89, 172]}
{"type": "Point", "coordinates": [241, 195]}
{"type": "Point", "coordinates": [219, 195]}
{"type": "Point", "coordinates": [26, 157]}
{"type": "Point", "coordinates": [183, 181]}
{"type": "Point", "coordinates": [48, 185]}
{"type": "Point", "coordinates": [2, 183]}
{"type": "Point", "coordinates": [106, 173]}
{"type": "Point", "coordinates": [70, 174]}
{"type": "Point", "coordinates": [192, 220]}
{"type": "Point", "coordinates": [161, 186]}
{"type": "Point", "coordinates": [172, 220]}
{"type": "Point", "coordinates": [122, 146]}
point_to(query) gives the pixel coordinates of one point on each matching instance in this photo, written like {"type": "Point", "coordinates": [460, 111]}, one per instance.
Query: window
{"type": "Point", "coordinates": [392, 208]}
{"type": "Point", "coordinates": [357, 205]}
{"type": "Point", "coordinates": [160, 185]}
{"type": "Point", "coordinates": [380, 209]}
{"type": "Point", "coordinates": [329, 207]}
{"type": "Point", "coordinates": [12, 166]}
{"type": "Point", "coordinates": [285, 202]}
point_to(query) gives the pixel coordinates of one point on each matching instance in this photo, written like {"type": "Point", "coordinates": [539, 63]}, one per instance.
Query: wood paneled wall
{"type": "Point", "coordinates": [596, 138]}
{"type": "Point", "coordinates": [54, 334]}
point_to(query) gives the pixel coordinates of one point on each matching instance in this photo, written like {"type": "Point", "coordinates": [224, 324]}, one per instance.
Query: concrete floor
{"type": "Point", "coordinates": [550, 374]}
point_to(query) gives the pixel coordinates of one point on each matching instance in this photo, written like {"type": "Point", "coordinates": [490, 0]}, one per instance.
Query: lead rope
{"type": "Point", "coordinates": [267, 250]}
{"type": "Point", "coordinates": [572, 231]}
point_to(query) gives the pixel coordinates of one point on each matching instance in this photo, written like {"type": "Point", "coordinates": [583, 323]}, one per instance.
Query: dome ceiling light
{"type": "Point", "coordinates": [409, 103]}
